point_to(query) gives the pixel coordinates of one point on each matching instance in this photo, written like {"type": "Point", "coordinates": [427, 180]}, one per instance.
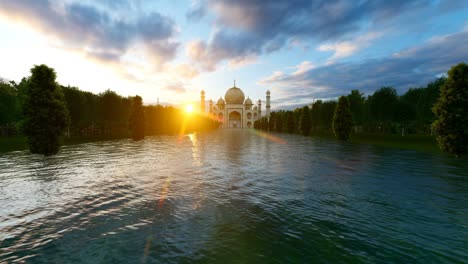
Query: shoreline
{"type": "Point", "coordinates": [424, 143]}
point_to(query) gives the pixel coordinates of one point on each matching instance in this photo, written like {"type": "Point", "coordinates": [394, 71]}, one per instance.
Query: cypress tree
{"type": "Point", "coordinates": [45, 112]}
{"type": "Point", "coordinates": [342, 119]}
{"type": "Point", "coordinates": [451, 111]}
{"type": "Point", "coordinates": [137, 119]}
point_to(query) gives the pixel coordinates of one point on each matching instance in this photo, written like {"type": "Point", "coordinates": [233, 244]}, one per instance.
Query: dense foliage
{"type": "Point", "coordinates": [45, 112]}
{"type": "Point", "coordinates": [104, 115]}
{"type": "Point", "coordinates": [451, 110]}
{"type": "Point", "coordinates": [305, 120]}
{"type": "Point", "coordinates": [384, 111]}
{"type": "Point", "coordinates": [137, 119]}
{"type": "Point", "coordinates": [9, 107]}
{"type": "Point", "coordinates": [342, 119]}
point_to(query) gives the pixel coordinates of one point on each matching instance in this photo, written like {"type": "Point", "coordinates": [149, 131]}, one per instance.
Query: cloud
{"type": "Point", "coordinates": [176, 88]}
{"type": "Point", "coordinates": [242, 61]}
{"type": "Point", "coordinates": [185, 71]}
{"type": "Point", "coordinates": [347, 48]}
{"type": "Point", "coordinates": [253, 27]}
{"type": "Point", "coordinates": [196, 11]}
{"type": "Point", "coordinates": [96, 32]}
{"type": "Point", "coordinates": [274, 77]}
{"type": "Point", "coordinates": [197, 51]}
{"type": "Point", "coordinates": [408, 68]}
{"type": "Point", "coordinates": [235, 49]}
{"type": "Point", "coordinates": [303, 67]}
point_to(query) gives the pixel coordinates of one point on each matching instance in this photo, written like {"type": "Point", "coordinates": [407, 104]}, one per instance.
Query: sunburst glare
{"type": "Point", "coordinates": [189, 109]}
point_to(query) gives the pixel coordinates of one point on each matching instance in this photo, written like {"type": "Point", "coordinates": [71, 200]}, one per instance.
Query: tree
{"type": "Point", "coordinates": [327, 110]}
{"type": "Point", "coordinates": [137, 119]}
{"type": "Point", "coordinates": [342, 119]}
{"type": "Point", "coordinates": [75, 102]}
{"type": "Point", "coordinates": [356, 105]}
{"type": "Point", "coordinates": [257, 124]}
{"type": "Point", "coordinates": [8, 103]}
{"type": "Point", "coordinates": [315, 115]}
{"type": "Point", "coordinates": [45, 113]}
{"type": "Point", "coordinates": [290, 122]}
{"type": "Point", "coordinates": [305, 121]}
{"type": "Point", "coordinates": [404, 114]}
{"type": "Point", "coordinates": [279, 121]}
{"type": "Point", "coordinates": [272, 121]}
{"type": "Point", "coordinates": [428, 99]}
{"type": "Point", "coordinates": [451, 111]}
{"type": "Point", "coordinates": [109, 107]}
{"type": "Point", "coordinates": [382, 106]}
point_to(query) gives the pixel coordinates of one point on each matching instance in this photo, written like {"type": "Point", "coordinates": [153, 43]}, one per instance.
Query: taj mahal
{"type": "Point", "coordinates": [234, 111]}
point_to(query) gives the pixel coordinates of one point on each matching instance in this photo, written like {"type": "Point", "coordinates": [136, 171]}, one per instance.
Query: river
{"type": "Point", "coordinates": [233, 196]}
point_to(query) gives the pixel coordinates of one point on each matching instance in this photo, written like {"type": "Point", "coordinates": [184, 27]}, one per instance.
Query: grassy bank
{"type": "Point", "coordinates": [418, 142]}
{"type": "Point", "coordinates": [425, 143]}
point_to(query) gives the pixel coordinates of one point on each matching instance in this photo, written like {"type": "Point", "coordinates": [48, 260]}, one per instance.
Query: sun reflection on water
{"type": "Point", "coordinates": [195, 152]}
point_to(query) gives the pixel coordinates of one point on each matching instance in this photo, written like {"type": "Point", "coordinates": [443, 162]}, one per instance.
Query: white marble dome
{"type": "Point", "coordinates": [234, 96]}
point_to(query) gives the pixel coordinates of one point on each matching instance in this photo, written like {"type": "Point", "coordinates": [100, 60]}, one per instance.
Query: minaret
{"type": "Point", "coordinates": [211, 106]}
{"type": "Point", "coordinates": [259, 108]}
{"type": "Point", "coordinates": [202, 105]}
{"type": "Point", "coordinates": [268, 104]}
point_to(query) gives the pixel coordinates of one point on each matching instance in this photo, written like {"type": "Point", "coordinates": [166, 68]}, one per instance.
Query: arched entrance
{"type": "Point", "coordinates": [235, 120]}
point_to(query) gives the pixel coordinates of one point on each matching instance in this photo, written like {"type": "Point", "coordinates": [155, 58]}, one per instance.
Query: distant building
{"type": "Point", "coordinates": [234, 111]}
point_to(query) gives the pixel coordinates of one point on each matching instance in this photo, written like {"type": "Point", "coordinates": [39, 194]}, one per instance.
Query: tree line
{"type": "Point", "coordinates": [37, 101]}
{"type": "Point", "coordinates": [109, 113]}
{"type": "Point", "coordinates": [439, 108]}
{"type": "Point", "coordinates": [382, 112]}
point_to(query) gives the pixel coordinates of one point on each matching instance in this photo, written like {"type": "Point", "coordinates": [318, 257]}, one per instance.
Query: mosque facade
{"type": "Point", "coordinates": [234, 111]}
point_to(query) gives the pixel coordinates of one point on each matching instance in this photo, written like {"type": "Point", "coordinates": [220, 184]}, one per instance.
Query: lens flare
{"type": "Point", "coordinates": [189, 109]}
{"type": "Point", "coordinates": [270, 137]}
{"type": "Point", "coordinates": [164, 193]}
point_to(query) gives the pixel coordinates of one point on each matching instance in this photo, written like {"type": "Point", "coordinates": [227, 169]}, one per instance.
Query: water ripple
{"type": "Point", "coordinates": [232, 196]}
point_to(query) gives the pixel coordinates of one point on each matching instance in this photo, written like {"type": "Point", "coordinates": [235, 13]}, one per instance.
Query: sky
{"type": "Point", "coordinates": [300, 50]}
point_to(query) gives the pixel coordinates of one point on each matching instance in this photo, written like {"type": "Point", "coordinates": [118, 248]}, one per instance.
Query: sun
{"type": "Point", "coordinates": [189, 109]}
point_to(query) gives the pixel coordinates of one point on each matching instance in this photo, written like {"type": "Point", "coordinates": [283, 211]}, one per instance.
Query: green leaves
{"type": "Point", "coordinates": [137, 119]}
{"type": "Point", "coordinates": [45, 112]}
{"type": "Point", "coordinates": [9, 111]}
{"type": "Point", "coordinates": [305, 121]}
{"type": "Point", "coordinates": [342, 119]}
{"type": "Point", "coordinates": [451, 110]}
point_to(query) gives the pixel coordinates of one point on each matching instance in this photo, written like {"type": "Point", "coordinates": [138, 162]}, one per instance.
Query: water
{"type": "Point", "coordinates": [233, 196]}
